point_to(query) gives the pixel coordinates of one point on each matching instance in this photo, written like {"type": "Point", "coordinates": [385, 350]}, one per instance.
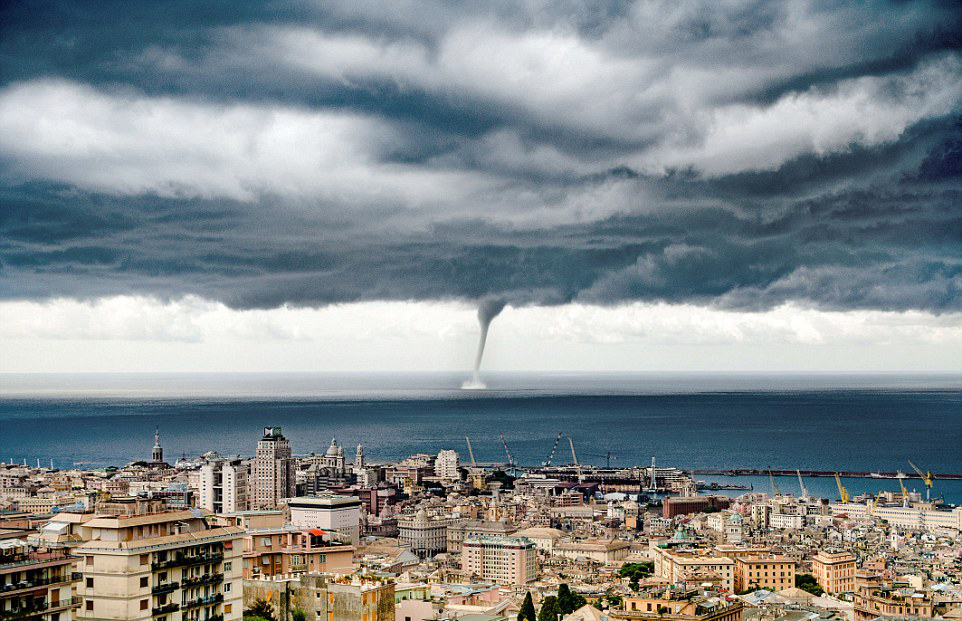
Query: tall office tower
{"type": "Point", "coordinates": [272, 470]}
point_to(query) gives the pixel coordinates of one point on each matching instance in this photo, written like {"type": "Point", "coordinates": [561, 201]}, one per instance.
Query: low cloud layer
{"type": "Point", "coordinates": [744, 156]}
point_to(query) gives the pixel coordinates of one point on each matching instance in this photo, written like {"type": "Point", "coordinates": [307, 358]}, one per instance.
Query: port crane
{"type": "Point", "coordinates": [554, 447]}
{"type": "Point", "coordinates": [507, 452]}
{"type": "Point", "coordinates": [926, 478]}
{"type": "Point", "coordinates": [771, 479]}
{"type": "Point", "coordinates": [471, 452]}
{"type": "Point", "coordinates": [801, 485]}
{"type": "Point", "coordinates": [574, 457]}
{"type": "Point", "coordinates": [905, 495]}
{"type": "Point", "coordinates": [842, 492]}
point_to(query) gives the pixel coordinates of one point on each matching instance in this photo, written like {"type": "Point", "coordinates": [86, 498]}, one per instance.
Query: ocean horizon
{"type": "Point", "coordinates": [850, 422]}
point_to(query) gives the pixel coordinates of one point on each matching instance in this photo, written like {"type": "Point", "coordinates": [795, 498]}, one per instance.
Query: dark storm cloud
{"type": "Point", "coordinates": [739, 156]}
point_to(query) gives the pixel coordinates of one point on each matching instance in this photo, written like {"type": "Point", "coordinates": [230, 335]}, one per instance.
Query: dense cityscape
{"type": "Point", "coordinates": [334, 536]}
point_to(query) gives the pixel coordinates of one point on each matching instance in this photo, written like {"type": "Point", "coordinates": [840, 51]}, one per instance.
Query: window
{"type": "Point", "coordinates": [228, 608]}
{"type": "Point", "coordinates": [144, 581]}
{"type": "Point", "coordinates": [144, 559]}
{"type": "Point", "coordinates": [89, 561]}
{"type": "Point", "coordinates": [265, 560]}
{"type": "Point", "coordinates": [143, 604]}
{"type": "Point", "coordinates": [89, 604]}
{"type": "Point", "coordinates": [227, 566]}
{"type": "Point", "coordinates": [266, 542]}
{"type": "Point", "coordinates": [90, 583]}
{"type": "Point", "coordinates": [227, 587]}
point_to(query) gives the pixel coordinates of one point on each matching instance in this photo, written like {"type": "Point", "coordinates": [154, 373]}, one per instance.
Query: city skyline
{"type": "Point", "coordinates": [645, 185]}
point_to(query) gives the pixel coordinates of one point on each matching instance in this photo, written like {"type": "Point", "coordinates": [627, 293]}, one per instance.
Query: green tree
{"type": "Point", "coordinates": [262, 609]}
{"type": "Point", "coordinates": [807, 582]}
{"type": "Point", "coordinates": [550, 611]}
{"type": "Point", "coordinates": [564, 599]}
{"type": "Point", "coordinates": [527, 609]}
{"type": "Point", "coordinates": [298, 615]}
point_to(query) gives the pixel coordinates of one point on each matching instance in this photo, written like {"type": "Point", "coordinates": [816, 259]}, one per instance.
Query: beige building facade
{"type": "Point", "coordinates": [834, 571]}
{"type": "Point", "coordinates": [507, 561]}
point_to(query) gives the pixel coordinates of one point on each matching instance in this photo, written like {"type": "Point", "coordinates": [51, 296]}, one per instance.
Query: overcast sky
{"type": "Point", "coordinates": [335, 186]}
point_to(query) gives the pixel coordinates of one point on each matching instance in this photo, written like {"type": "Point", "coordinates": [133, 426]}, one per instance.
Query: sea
{"type": "Point", "coordinates": [689, 421]}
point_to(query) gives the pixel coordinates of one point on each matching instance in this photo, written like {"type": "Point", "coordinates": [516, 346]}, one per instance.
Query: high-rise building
{"type": "Point", "coordinates": [223, 485]}
{"type": "Point", "coordinates": [446, 465]}
{"type": "Point", "coordinates": [359, 459]}
{"type": "Point", "coordinates": [272, 471]}
{"type": "Point", "coordinates": [507, 561]}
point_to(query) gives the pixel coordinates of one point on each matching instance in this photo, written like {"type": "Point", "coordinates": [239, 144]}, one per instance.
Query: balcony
{"type": "Point", "coordinates": [203, 601]}
{"type": "Point", "coordinates": [202, 580]}
{"type": "Point", "coordinates": [165, 609]}
{"type": "Point", "coordinates": [187, 561]}
{"type": "Point", "coordinates": [19, 561]}
{"type": "Point", "coordinates": [168, 587]}
{"type": "Point", "coordinates": [13, 588]}
{"type": "Point", "coordinates": [42, 608]}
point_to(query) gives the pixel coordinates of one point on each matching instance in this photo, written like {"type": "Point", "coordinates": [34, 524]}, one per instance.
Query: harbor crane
{"type": "Point", "coordinates": [905, 495]}
{"type": "Point", "coordinates": [801, 485]}
{"type": "Point", "coordinates": [574, 457]}
{"type": "Point", "coordinates": [554, 447]}
{"type": "Point", "coordinates": [842, 492]}
{"type": "Point", "coordinates": [926, 478]}
{"type": "Point", "coordinates": [471, 452]}
{"type": "Point", "coordinates": [507, 452]}
{"type": "Point", "coordinates": [771, 479]}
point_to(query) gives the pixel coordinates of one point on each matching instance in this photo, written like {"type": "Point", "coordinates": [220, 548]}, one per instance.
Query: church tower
{"type": "Point", "coordinates": [157, 454]}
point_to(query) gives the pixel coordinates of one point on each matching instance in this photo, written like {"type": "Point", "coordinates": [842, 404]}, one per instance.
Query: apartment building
{"type": "Point", "coordinates": [36, 583]}
{"type": "Point", "coordinates": [683, 566]}
{"type": "Point", "coordinates": [772, 573]}
{"type": "Point", "coordinates": [834, 571]}
{"type": "Point", "coordinates": [276, 548]}
{"type": "Point", "coordinates": [166, 566]}
{"type": "Point", "coordinates": [507, 561]}
{"type": "Point", "coordinates": [446, 466]}
{"type": "Point", "coordinates": [223, 485]}
{"type": "Point", "coordinates": [272, 470]}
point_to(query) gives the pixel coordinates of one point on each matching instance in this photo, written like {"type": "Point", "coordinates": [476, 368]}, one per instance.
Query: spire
{"type": "Point", "coordinates": [157, 437]}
